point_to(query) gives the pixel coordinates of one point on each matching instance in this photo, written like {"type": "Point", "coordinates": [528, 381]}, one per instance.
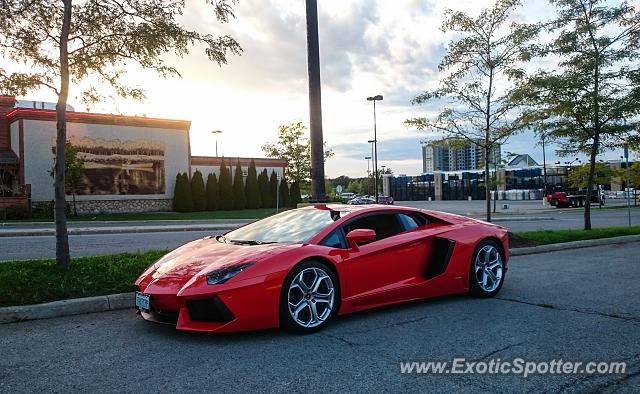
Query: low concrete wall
{"type": "Point", "coordinates": [122, 206]}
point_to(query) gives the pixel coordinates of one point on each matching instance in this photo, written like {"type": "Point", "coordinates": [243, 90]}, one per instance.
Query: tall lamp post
{"type": "Point", "coordinates": [315, 103]}
{"type": "Point", "coordinates": [372, 142]}
{"type": "Point", "coordinates": [216, 132]}
{"type": "Point", "coordinates": [626, 159]}
{"type": "Point", "coordinates": [544, 171]}
{"type": "Point", "coordinates": [367, 158]}
{"type": "Point", "coordinates": [375, 142]}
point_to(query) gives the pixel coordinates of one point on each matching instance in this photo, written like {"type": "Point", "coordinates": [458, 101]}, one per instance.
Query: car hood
{"type": "Point", "coordinates": [200, 256]}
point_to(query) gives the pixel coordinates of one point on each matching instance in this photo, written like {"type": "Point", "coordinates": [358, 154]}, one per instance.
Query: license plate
{"type": "Point", "coordinates": [142, 301]}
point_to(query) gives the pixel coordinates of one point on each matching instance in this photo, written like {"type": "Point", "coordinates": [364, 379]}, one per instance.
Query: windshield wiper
{"type": "Point", "coordinates": [222, 238]}
{"type": "Point", "coordinates": [249, 242]}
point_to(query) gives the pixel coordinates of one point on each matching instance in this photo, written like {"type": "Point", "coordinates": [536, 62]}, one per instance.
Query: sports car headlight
{"type": "Point", "coordinates": [222, 275]}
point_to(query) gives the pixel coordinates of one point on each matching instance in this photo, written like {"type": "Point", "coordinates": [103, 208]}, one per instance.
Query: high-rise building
{"type": "Point", "coordinates": [455, 157]}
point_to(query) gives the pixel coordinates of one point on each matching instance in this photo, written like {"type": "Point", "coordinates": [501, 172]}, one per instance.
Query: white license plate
{"type": "Point", "coordinates": [142, 301]}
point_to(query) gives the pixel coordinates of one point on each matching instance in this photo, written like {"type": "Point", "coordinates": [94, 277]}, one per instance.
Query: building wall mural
{"type": "Point", "coordinates": [119, 167]}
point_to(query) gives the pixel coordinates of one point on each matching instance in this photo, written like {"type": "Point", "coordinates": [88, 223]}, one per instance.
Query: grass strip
{"type": "Point", "coordinates": [38, 281]}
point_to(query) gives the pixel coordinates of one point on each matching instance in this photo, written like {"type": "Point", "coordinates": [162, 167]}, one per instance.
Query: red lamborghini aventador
{"type": "Point", "coordinates": [300, 268]}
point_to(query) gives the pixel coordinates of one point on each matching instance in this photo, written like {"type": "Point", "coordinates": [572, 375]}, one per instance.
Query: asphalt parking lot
{"type": "Point", "coordinates": [577, 305]}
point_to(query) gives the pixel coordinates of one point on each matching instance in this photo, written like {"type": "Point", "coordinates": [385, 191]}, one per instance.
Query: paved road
{"type": "Point", "coordinates": [552, 306]}
{"type": "Point", "coordinates": [12, 248]}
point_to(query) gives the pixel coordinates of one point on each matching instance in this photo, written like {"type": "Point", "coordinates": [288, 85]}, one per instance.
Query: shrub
{"type": "Point", "coordinates": [182, 201]}
{"type": "Point", "coordinates": [225, 188]}
{"type": "Point", "coordinates": [197, 192]}
{"type": "Point", "coordinates": [263, 185]}
{"type": "Point", "coordinates": [239, 199]}
{"type": "Point", "coordinates": [252, 190]}
{"type": "Point", "coordinates": [273, 188]}
{"type": "Point", "coordinates": [284, 194]}
{"type": "Point", "coordinates": [212, 192]}
{"type": "Point", "coordinates": [294, 195]}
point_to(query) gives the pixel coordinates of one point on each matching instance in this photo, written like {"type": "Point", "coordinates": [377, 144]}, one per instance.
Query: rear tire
{"type": "Point", "coordinates": [309, 299]}
{"type": "Point", "coordinates": [487, 270]}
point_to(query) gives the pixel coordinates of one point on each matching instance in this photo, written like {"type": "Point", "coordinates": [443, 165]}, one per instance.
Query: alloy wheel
{"type": "Point", "coordinates": [311, 297]}
{"type": "Point", "coordinates": [488, 268]}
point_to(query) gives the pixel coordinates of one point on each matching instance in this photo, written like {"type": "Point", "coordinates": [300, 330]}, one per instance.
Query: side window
{"type": "Point", "coordinates": [408, 222]}
{"type": "Point", "coordinates": [384, 224]}
{"type": "Point", "coordinates": [334, 240]}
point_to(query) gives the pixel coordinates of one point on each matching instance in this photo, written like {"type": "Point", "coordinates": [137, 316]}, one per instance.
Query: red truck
{"type": "Point", "coordinates": [574, 198]}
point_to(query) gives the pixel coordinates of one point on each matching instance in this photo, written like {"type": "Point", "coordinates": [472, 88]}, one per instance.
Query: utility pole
{"type": "Point", "coordinates": [315, 104]}
{"type": "Point", "coordinates": [628, 188]}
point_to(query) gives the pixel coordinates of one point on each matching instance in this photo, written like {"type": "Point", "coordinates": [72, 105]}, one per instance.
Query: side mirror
{"type": "Point", "coordinates": [359, 236]}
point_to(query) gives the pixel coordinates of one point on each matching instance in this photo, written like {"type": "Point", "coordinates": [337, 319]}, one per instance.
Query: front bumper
{"type": "Point", "coordinates": [244, 305]}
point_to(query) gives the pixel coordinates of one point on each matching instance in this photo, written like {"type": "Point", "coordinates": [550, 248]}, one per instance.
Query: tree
{"type": "Point", "coordinates": [579, 175]}
{"type": "Point", "coordinates": [225, 188]}
{"type": "Point", "coordinates": [212, 192]}
{"type": "Point", "coordinates": [252, 189]}
{"type": "Point", "coordinates": [294, 195]}
{"type": "Point", "coordinates": [197, 192]}
{"type": "Point", "coordinates": [482, 66]}
{"type": "Point", "coordinates": [283, 194]}
{"type": "Point", "coordinates": [95, 40]}
{"type": "Point", "coordinates": [74, 171]}
{"type": "Point", "coordinates": [591, 100]}
{"type": "Point", "coordinates": [294, 147]}
{"type": "Point", "coordinates": [273, 188]}
{"type": "Point", "coordinates": [239, 198]}
{"type": "Point", "coordinates": [182, 201]}
{"type": "Point", "coordinates": [265, 193]}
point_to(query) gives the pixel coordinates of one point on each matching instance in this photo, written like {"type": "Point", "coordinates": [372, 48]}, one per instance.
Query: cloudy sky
{"type": "Point", "coordinates": [368, 47]}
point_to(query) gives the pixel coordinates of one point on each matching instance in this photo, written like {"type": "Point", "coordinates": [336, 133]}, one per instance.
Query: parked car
{"type": "Point", "coordinates": [361, 201]}
{"type": "Point", "coordinates": [385, 200]}
{"type": "Point", "coordinates": [301, 268]}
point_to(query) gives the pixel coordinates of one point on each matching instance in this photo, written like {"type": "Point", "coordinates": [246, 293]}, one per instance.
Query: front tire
{"type": "Point", "coordinates": [309, 298]}
{"type": "Point", "coordinates": [486, 274]}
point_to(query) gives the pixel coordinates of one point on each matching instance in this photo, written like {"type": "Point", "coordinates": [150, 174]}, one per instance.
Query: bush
{"type": "Point", "coordinates": [294, 195]}
{"type": "Point", "coordinates": [182, 201]}
{"type": "Point", "coordinates": [284, 194]}
{"type": "Point", "coordinates": [17, 212]}
{"type": "Point", "coordinates": [197, 192]}
{"type": "Point", "coordinates": [273, 188]}
{"type": "Point", "coordinates": [212, 192]}
{"type": "Point", "coordinates": [263, 185]}
{"type": "Point", "coordinates": [225, 188]}
{"type": "Point", "coordinates": [252, 190]}
{"type": "Point", "coordinates": [239, 199]}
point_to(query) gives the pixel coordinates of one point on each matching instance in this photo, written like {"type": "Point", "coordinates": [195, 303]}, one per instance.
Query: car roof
{"type": "Point", "coordinates": [358, 208]}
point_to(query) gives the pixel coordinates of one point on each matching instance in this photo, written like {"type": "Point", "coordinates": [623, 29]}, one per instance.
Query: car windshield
{"type": "Point", "coordinates": [296, 226]}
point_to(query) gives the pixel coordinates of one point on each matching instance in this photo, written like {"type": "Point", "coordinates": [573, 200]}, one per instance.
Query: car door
{"type": "Point", "coordinates": [379, 271]}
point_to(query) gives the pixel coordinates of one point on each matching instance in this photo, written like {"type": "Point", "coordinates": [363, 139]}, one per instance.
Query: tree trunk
{"type": "Point", "coordinates": [596, 144]}
{"type": "Point", "coordinates": [487, 152]}
{"type": "Point", "coordinates": [62, 239]}
{"type": "Point", "coordinates": [487, 148]}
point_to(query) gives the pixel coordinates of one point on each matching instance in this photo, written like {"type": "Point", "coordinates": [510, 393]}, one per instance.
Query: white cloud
{"type": "Point", "coordinates": [367, 47]}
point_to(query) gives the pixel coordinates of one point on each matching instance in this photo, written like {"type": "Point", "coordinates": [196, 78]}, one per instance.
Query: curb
{"type": "Point", "coordinates": [117, 230]}
{"type": "Point", "coordinates": [574, 245]}
{"type": "Point", "coordinates": [74, 306]}
{"type": "Point", "coordinates": [77, 306]}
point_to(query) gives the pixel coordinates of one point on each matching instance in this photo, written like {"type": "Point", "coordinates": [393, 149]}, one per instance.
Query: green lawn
{"type": "Point", "coordinates": [243, 214]}
{"type": "Point", "coordinates": [545, 237]}
{"type": "Point", "coordinates": [38, 281]}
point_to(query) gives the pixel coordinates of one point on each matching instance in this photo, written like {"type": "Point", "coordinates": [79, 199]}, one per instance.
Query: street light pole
{"type": "Point", "coordinates": [367, 158]}
{"type": "Point", "coordinates": [375, 143]}
{"type": "Point", "coordinates": [626, 159]}
{"type": "Point", "coordinates": [216, 132]}
{"type": "Point", "coordinates": [544, 172]}
{"type": "Point", "coordinates": [315, 103]}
